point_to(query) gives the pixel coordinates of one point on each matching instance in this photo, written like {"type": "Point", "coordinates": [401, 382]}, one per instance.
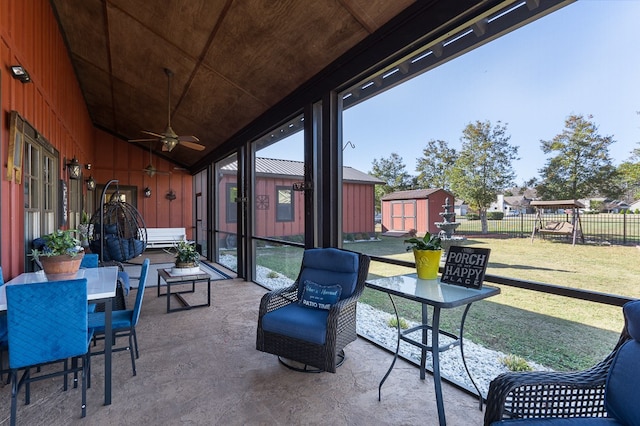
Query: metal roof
{"type": "Point", "coordinates": [295, 169]}
{"type": "Point", "coordinates": [412, 194]}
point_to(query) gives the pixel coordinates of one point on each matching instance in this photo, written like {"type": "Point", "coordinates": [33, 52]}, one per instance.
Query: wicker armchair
{"type": "Point", "coordinates": [603, 394]}
{"type": "Point", "coordinates": [314, 337]}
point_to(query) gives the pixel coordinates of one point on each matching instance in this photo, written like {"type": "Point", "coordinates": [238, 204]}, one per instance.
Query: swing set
{"type": "Point", "coordinates": [572, 228]}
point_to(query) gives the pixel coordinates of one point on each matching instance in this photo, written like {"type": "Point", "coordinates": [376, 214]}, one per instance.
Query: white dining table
{"type": "Point", "coordinates": [101, 287]}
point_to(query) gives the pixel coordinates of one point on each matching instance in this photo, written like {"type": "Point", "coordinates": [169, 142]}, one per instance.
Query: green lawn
{"type": "Point", "coordinates": [561, 333]}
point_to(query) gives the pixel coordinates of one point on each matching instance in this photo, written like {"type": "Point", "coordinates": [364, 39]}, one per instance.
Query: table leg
{"type": "Point", "coordinates": [158, 285]}
{"type": "Point", "coordinates": [395, 356]}
{"type": "Point", "coordinates": [168, 297]}
{"type": "Point", "coordinates": [209, 291]}
{"type": "Point", "coordinates": [425, 341]}
{"type": "Point", "coordinates": [108, 343]}
{"type": "Point", "coordinates": [464, 361]}
{"type": "Point", "coordinates": [435, 352]}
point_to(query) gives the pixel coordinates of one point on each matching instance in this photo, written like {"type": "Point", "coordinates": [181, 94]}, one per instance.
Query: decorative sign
{"type": "Point", "coordinates": [465, 266]}
{"type": "Point", "coordinates": [64, 203]}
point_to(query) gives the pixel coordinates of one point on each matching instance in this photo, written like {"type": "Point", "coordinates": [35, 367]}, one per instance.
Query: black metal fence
{"type": "Point", "coordinates": [603, 228]}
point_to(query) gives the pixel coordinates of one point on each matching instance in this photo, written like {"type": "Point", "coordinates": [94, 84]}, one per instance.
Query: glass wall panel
{"type": "Point", "coordinates": [226, 229]}
{"type": "Point", "coordinates": [201, 189]}
{"type": "Point", "coordinates": [278, 209]}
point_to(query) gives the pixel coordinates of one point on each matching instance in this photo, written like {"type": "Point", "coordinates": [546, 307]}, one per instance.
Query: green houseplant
{"type": "Point", "coordinates": [59, 252]}
{"type": "Point", "coordinates": [186, 255]}
{"type": "Point", "coordinates": [427, 252]}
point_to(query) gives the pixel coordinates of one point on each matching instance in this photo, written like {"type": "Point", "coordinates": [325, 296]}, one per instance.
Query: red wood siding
{"type": "Point", "coordinates": [358, 208]}
{"type": "Point", "coordinates": [54, 105]}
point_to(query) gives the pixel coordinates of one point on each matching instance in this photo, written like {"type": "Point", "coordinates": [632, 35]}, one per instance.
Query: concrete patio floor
{"type": "Point", "coordinates": [201, 367]}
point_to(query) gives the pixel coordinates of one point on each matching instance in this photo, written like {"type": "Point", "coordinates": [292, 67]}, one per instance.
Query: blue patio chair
{"type": "Point", "coordinates": [3, 334]}
{"type": "Point", "coordinates": [605, 394]}
{"type": "Point", "coordinates": [123, 322]}
{"type": "Point", "coordinates": [92, 260]}
{"type": "Point", "coordinates": [47, 323]}
{"type": "Point", "coordinates": [312, 321]}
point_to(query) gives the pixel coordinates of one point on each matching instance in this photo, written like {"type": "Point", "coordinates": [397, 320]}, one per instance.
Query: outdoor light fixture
{"type": "Point", "coordinates": [74, 168]}
{"type": "Point", "coordinates": [91, 183]}
{"type": "Point", "coordinates": [147, 192]}
{"type": "Point", "coordinates": [19, 73]}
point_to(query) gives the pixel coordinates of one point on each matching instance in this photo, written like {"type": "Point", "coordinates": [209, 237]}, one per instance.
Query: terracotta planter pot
{"type": "Point", "coordinates": [427, 263]}
{"type": "Point", "coordinates": [62, 264]}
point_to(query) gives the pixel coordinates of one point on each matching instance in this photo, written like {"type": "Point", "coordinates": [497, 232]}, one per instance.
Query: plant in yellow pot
{"type": "Point", "coordinates": [427, 251]}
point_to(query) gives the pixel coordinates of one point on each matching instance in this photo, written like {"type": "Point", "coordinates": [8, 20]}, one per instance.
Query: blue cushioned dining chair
{"type": "Point", "coordinates": [3, 334]}
{"type": "Point", "coordinates": [312, 321]}
{"type": "Point", "coordinates": [123, 322]}
{"type": "Point", "coordinates": [47, 323]}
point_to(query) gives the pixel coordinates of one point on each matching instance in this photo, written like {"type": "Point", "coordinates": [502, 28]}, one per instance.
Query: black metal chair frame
{"type": "Point", "coordinates": [551, 394]}
{"type": "Point", "coordinates": [341, 327]}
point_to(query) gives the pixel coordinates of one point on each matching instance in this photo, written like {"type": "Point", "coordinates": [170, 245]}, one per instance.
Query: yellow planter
{"type": "Point", "coordinates": [427, 263]}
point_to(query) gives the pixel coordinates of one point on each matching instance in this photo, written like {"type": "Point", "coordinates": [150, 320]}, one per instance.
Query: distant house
{"type": "Point", "coordinates": [635, 206]}
{"type": "Point", "coordinates": [607, 205]}
{"type": "Point", "coordinates": [511, 204]}
{"type": "Point", "coordinates": [418, 209]}
{"type": "Point", "coordinates": [461, 208]}
{"type": "Point", "coordinates": [279, 209]}
{"type": "Point", "coordinates": [616, 206]}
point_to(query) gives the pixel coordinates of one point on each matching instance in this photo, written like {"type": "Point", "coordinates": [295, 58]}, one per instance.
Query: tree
{"type": "Point", "coordinates": [434, 167]}
{"type": "Point", "coordinates": [392, 171]}
{"type": "Point", "coordinates": [581, 166]}
{"type": "Point", "coordinates": [483, 167]}
{"type": "Point", "coordinates": [629, 172]}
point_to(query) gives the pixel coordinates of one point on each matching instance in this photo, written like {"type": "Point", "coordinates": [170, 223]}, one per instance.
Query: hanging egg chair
{"type": "Point", "coordinates": [118, 231]}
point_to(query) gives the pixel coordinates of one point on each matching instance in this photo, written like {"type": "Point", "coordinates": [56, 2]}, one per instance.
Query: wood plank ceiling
{"type": "Point", "coordinates": [232, 59]}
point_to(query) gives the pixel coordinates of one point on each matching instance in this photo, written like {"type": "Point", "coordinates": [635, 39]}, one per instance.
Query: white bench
{"type": "Point", "coordinates": [165, 237]}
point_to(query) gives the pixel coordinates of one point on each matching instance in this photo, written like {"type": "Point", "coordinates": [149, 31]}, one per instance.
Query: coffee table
{"type": "Point", "coordinates": [172, 280]}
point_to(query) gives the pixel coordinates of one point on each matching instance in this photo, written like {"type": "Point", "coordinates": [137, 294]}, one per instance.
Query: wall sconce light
{"type": "Point", "coordinates": [171, 195]}
{"type": "Point", "coordinates": [19, 73]}
{"type": "Point", "coordinates": [74, 168]}
{"type": "Point", "coordinates": [147, 192]}
{"type": "Point", "coordinates": [91, 183]}
{"type": "Point", "coordinates": [87, 166]}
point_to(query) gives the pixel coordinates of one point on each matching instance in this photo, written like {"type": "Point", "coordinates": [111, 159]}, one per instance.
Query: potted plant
{"type": "Point", "coordinates": [187, 258]}
{"type": "Point", "coordinates": [59, 252]}
{"type": "Point", "coordinates": [83, 229]}
{"type": "Point", "coordinates": [427, 252]}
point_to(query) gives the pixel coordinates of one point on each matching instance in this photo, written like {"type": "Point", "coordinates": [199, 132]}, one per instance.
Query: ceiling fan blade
{"type": "Point", "coordinates": [192, 145]}
{"type": "Point", "coordinates": [142, 140]}
{"type": "Point", "coordinates": [188, 139]}
{"type": "Point", "coordinates": [157, 135]}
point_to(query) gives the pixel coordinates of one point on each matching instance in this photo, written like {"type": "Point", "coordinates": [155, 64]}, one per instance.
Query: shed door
{"type": "Point", "coordinates": [403, 215]}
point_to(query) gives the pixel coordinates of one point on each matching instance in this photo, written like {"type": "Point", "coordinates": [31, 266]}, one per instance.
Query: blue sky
{"type": "Point", "coordinates": [582, 59]}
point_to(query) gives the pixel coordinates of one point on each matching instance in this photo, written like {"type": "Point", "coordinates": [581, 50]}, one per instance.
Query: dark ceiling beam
{"type": "Point", "coordinates": [404, 33]}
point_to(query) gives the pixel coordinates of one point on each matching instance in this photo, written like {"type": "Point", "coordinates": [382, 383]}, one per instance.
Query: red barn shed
{"type": "Point", "coordinates": [416, 209]}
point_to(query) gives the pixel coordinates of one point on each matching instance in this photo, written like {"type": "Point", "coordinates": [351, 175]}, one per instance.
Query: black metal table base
{"type": "Point", "coordinates": [173, 281]}
{"type": "Point", "coordinates": [435, 350]}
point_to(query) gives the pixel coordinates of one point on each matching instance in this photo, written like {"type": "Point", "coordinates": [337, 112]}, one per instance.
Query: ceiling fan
{"type": "Point", "coordinates": [150, 169]}
{"type": "Point", "coordinates": [169, 138]}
